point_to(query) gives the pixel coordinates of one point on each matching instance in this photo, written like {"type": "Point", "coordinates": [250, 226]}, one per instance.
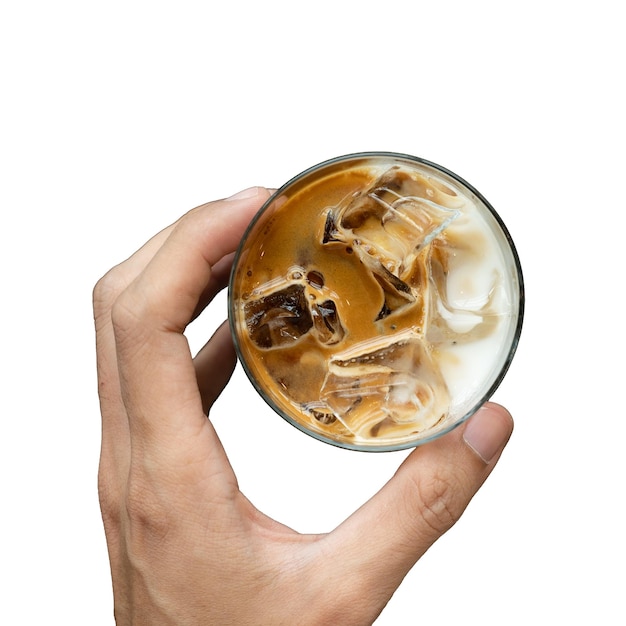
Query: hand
{"type": "Point", "coordinates": [185, 545]}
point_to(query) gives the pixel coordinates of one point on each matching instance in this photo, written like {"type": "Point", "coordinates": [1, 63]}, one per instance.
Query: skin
{"type": "Point", "coordinates": [185, 545]}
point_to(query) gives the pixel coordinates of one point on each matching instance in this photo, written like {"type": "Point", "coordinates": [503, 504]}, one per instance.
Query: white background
{"type": "Point", "coordinates": [117, 117]}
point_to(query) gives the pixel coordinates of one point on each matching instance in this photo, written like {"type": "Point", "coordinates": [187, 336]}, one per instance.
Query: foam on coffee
{"type": "Point", "coordinates": [375, 301]}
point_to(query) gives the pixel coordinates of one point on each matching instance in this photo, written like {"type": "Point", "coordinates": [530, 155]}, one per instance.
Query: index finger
{"type": "Point", "coordinates": [157, 375]}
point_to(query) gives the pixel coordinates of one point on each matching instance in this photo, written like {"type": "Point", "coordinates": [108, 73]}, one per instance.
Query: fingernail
{"type": "Point", "coordinates": [488, 430]}
{"type": "Point", "coordinates": [251, 192]}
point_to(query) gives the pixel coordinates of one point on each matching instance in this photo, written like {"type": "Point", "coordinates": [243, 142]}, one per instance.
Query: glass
{"type": "Point", "coordinates": [376, 301]}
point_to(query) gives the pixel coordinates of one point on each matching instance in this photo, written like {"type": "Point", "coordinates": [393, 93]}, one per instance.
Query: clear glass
{"type": "Point", "coordinates": [376, 301]}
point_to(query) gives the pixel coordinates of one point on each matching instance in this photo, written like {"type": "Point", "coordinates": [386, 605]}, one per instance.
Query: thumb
{"type": "Point", "coordinates": [427, 495]}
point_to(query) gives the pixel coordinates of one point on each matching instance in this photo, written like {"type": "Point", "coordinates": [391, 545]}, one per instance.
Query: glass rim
{"type": "Point", "coordinates": [516, 333]}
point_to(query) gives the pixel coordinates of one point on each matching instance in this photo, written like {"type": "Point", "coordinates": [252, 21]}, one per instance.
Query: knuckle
{"type": "Point", "coordinates": [145, 511]}
{"type": "Point", "coordinates": [128, 320]}
{"type": "Point", "coordinates": [109, 503]}
{"type": "Point", "coordinates": [438, 500]}
{"type": "Point", "coordinates": [106, 290]}
{"type": "Point", "coordinates": [115, 303]}
{"type": "Point", "coordinates": [124, 313]}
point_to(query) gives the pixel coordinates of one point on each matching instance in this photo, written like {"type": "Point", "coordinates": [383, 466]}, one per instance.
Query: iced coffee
{"type": "Point", "coordinates": [376, 301]}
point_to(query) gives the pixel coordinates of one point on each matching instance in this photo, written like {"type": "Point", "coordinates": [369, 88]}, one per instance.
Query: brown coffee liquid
{"type": "Point", "coordinates": [336, 294]}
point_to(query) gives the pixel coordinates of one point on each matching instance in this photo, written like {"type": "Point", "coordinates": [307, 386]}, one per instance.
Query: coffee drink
{"type": "Point", "coordinates": [376, 301]}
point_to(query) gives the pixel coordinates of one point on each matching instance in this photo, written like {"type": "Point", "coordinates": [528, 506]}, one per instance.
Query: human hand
{"type": "Point", "coordinates": [185, 545]}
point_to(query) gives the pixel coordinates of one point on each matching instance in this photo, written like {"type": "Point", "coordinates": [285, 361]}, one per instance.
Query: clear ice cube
{"type": "Point", "coordinates": [462, 299]}
{"type": "Point", "coordinates": [283, 310]}
{"type": "Point", "coordinates": [392, 220]}
{"type": "Point", "coordinates": [279, 317]}
{"type": "Point", "coordinates": [389, 382]}
{"type": "Point", "coordinates": [326, 322]}
{"type": "Point", "coordinates": [389, 225]}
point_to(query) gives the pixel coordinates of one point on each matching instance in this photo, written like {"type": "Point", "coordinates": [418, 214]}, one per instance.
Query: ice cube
{"type": "Point", "coordinates": [330, 232]}
{"type": "Point", "coordinates": [396, 292]}
{"type": "Point", "coordinates": [463, 293]}
{"type": "Point", "coordinates": [389, 226]}
{"type": "Point", "coordinates": [387, 383]}
{"type": "Point", "coordinates": [284, 309]}
{"type": "Point", "coordinates": [326, 322]}
{"type": "Point", "coordinates": [392, 220]}
{"type": "Point", "coordinates": [279, 317]}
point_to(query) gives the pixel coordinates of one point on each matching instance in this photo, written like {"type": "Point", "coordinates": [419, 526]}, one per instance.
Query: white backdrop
{"type": "Point", "coordinates": [117, 117]}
